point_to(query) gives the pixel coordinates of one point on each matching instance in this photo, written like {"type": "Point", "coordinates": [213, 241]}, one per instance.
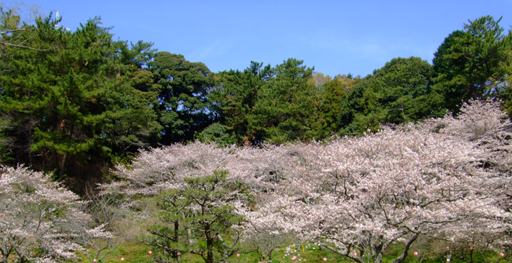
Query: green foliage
{"type": "Point", "coordinates": [199, 219]}
{"type": "Point", "coordinates": [505, 87]}
{"type": "Point", "coordinates": [217, 133]}
{"type": "Point", "coordinates": [263, 103]}
{"type": "Point", "coordinates": [70, 99]}
{"type": "Point", "coordinates": [234, 97]}
{"type": "Point", "coordinates": [332, 93]}
{"type": "Point", "coordinates": [73, 103]}
{"type": "Point", "coordinates": [285, 109]}
{"type": "Point", "coordinates": [182, 93]}
{"type": "Point", "coordinates": [288, 102]}
{"type": "Point", "coordinates": [467, 64]}
{"type": "Point", "coordinates": [398, 92]}
{"type": "Point", "coordinates": [5, 142]}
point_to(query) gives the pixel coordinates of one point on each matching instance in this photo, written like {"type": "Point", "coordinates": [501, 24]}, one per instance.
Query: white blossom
{"type": "Point", "coordinates": [445, 177]}
{"type": "Point", "coordinates": [39, 219]}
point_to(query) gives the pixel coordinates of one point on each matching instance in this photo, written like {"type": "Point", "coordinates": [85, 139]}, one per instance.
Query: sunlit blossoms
{"type": "Point", "coordinates": [398, 185]}
{"type": "Point", "coordinates": [40, 220]}
{"type": "Point", "coordinates": [445, 178]}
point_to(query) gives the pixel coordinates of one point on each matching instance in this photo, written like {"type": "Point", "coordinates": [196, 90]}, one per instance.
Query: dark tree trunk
{"type": "Point", "coordinates": [269, 255]}
{"type": "Point", "coordinates": [209, 245]}
{"type": "Point", "coordinates": [402, 257]}
{"type": "Point", "coordinates": [175, 253]}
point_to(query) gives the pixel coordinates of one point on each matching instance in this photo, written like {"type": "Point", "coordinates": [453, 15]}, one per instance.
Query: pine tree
{"type": "Point", "coordinates": [285, 106]}
{"type": "Point", "coordinates": [72, 101]}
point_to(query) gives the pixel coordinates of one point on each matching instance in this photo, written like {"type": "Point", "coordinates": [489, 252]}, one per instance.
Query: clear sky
{"type": "Point", "coordinates": [336, 37]}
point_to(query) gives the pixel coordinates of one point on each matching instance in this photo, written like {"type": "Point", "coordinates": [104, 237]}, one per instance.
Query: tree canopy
{"type": "Point", "coordinates": [399, 92]}
{"type": "Point", "coordinates": [76, 102]}
{"type": "Point", "coordinates": [182, 88]}
{"type": "Point", "coordinates": [71, 99]}
{"type": "Point", "coordinates": [467, 63]}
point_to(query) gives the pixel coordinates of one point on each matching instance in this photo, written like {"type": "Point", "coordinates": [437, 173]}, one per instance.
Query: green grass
{"type": "Point", "coordinates": [138, 253]}
{"type": "Point", "coordinates": [127, 252]}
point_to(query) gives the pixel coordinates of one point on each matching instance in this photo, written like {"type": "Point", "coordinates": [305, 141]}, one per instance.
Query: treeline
{"type": "Point", "coordinates": [76, 102]}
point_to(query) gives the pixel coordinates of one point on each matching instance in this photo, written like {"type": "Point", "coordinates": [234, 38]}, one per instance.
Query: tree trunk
{"type": "Point", "coordinates": [269, 255]}
{"type": "Point", "coordinates": [62, 164]}
{"type": "Point", "coordinates": [402, 257]}
{"type": "Point", "coordinates": [175, 252]}
{"type": "Point", "coordinates": [209, 245]}
{"type": "Point", "coordinates": [189, 235]}
{"type": "Point", "coordinates": [377, 252]}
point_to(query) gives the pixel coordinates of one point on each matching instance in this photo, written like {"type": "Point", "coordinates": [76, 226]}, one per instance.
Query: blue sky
{"type": "Point", "coordinates": [336, 37]}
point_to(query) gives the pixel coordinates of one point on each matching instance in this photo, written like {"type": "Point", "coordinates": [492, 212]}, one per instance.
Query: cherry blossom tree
{"type": "Point", "coordinates": [396, 186]}
{"type": "Point", "coordinates": [40, 220]}
{"type": "Point", "coordinates": [401, 184]}
{"type": "Point", "coordinates": [443, 178]}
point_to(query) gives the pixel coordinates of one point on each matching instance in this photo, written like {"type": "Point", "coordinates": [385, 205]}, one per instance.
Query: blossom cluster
{"type": "Point", "coordinates": [41, 220]}
{"type": "Point", "coordinates": [444, 178]}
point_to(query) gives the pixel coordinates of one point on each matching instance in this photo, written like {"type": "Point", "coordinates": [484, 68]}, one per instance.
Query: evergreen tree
{"type": "Point", "coordinates": [72, 102]}
{"type": "Point", "coordinates": [505, 87]}
{"type": "Point", "coordinates": [182, 88]}
{"type": "Point", "coordinates": [199, 218]}
{"type": "Point", "coordinates": [286, 106]}
{"type": "Point", "coordinates": [398, 92]}
{"type": "Point", "coordinates": [467, 64]}
{"type": "Point", "coordinates": [331, 96]}
{"type": "Point", "coordinates": [233, 100]}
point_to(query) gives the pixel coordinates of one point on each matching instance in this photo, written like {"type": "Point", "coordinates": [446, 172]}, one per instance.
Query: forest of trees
{"type": "Point", "coordinates": [75, 102]}
{"type": "Point", "coordinates": [105, 117]}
